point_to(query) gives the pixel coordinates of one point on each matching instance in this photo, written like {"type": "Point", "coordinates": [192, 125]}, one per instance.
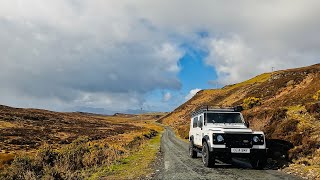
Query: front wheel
{"type": "Point", "coordinates": [192, 152]}
{"type": "Point", "coordinates": [207, 156]}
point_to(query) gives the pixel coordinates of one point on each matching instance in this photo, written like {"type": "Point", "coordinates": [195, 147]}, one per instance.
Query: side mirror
{"type": "Point", "coordinates": [247, 124]}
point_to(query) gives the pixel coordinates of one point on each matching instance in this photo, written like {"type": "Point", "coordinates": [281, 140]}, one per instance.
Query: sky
{"type": "Point", "coordinates": [110, 56]}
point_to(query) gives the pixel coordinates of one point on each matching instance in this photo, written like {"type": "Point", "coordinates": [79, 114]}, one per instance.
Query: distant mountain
{"type": "Point", "coordinates": [108, 112]}
{"type": "Point", "coordinates": [93, 110]}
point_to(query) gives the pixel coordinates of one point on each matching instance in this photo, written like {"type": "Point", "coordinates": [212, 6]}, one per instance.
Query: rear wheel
{"type": "Point", "coordinates": [207, 156]}
{"type": "Point", "coordinates": [192, 152]}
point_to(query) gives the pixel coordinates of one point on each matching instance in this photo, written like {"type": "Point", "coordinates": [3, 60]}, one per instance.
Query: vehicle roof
{"type": "Point", "coordinates": [216, 110]}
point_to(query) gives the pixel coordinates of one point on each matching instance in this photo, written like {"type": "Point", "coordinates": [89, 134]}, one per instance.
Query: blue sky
{"type": "Point", "coordinates": [118, 56]}
{"type": "Point", "coordinates": [193, 74]}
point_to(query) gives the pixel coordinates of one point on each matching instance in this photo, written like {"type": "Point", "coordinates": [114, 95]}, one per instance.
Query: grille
{"type": "Point", "coordinates": [238, 140]}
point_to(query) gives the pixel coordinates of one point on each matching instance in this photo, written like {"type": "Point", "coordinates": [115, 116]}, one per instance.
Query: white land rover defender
{"type": "Point", "coordinates": [222, 133]}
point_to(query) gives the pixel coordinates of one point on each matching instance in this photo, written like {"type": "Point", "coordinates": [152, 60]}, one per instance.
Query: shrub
{"type": "Point", "coordinates": [69, 162]}
{"type": "Point", "coordinates": [313, 108]}
{"type": "Point", "coordinates": [96, 157]}
{"type": "Point", "coordinates": [250, 102]}
{"type": "Point", "coordinates": [51, 164]}
{"type": "Point", "coordinates": [317, 96]}
{"type": "Point", "coordinates": [45, 156]}
{"type": "Point", "coordinates": [21, 168]}
{"type": "Point", "coordinates": [70, 157]}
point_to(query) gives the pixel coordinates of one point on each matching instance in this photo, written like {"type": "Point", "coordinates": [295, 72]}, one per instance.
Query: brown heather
{"type": "Point", "coordinates": [39, 144]}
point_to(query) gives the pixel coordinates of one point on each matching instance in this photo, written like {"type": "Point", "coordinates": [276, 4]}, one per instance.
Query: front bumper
{"type": "Point", "coordinates": [226, 152]}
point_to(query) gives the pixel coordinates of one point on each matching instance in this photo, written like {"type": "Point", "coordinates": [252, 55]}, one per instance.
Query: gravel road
{"type": "Point", "coordinates": [178, 165]}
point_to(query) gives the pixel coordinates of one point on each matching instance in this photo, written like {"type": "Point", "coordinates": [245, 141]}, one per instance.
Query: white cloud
{"type": "Point", "coordinates": [245, 37]}
{"type": "Point", "coordinates": [64, 53]}
{"type": "Point", "coordinates": [192, 93]}
{"type": "Point", "coordinates": [236, 60]}
{"type": "Point", "coordinates": [233, 59]}
{"type": "Point", "coordinates": [166, 97]}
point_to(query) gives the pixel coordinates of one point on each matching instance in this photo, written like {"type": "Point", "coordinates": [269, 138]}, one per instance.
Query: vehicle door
{"type": "Point", "coordinates": [193, 128]}
{"type": "Point", "coordinates": [199, 131]}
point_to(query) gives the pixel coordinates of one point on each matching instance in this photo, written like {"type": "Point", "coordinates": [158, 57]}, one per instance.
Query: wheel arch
{"type": "Point", "coordinates": [207, 140]}
{"type": "Point", "coordinates": [191, 138]}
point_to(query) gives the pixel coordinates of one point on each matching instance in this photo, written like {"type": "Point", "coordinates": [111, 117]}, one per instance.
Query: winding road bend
{"type": "Point", "coordinates": [178, 165]}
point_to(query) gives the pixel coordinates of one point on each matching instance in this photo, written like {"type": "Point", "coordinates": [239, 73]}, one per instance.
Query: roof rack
{"type": "Point", "coordinates": [216, 108]}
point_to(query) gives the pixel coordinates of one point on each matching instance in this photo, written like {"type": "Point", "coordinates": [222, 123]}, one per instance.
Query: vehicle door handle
{"type": "Point", "coordinates": [197, 134]}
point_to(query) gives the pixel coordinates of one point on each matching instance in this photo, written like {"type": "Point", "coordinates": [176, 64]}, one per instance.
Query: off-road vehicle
{"type": "Point", "coordinates": [222, 133]}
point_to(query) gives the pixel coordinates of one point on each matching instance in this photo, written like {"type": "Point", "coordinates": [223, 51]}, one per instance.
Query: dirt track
{"type": "Point", "coordinates": [178, 165]}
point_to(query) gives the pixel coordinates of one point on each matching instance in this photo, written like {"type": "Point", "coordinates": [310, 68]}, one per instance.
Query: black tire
{"type": "Point", "coordinates": [192, 152]}
{"type": "Point", "coordinates": [258, 162]}
{"type": "Point", "coordinates": [207, 156]}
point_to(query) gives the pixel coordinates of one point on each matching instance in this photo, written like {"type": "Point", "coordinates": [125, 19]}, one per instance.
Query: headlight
{"type": "Point", "coordinates": [255, 139]}
{"type": "Point", "coordinates": [258, 139]}
{"type": "Point", "coordinates": [220, 138]}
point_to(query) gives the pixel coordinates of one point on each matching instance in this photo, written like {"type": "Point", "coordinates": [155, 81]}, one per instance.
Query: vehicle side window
{"type": "Point", "coordinates": [195, 122]}
{"type": "Point", "coordinates": [200, 122]}
{"type": "Point", "coordinates": [204, 120]}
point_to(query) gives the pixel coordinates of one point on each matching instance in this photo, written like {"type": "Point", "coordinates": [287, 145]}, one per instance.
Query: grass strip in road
{"type": "Point", "coordinates": [135, 165]}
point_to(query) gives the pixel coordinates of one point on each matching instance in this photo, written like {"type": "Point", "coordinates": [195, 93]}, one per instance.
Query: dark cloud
{"type": "Point", "coordinates": [41, 61]}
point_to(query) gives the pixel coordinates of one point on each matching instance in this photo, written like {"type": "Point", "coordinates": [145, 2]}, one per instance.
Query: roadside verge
{"type": "Point", "coordinates": [138, 165]}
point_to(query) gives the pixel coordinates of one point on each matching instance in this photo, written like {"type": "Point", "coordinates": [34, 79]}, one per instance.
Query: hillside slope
{"type": "Point", "coordinates": [287, 109]}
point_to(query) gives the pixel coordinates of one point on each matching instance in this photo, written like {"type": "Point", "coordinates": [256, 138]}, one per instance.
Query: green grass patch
{"type": "Point", "coordinates": [295, 108]}
{"type": "Point", "coordinates": [135, 165]}
{"type": "Point", "coordinates": [258, 79]}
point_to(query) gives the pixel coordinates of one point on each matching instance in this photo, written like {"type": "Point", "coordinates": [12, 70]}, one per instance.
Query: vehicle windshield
{"type": "Point", "coordinates": [223, 118]}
